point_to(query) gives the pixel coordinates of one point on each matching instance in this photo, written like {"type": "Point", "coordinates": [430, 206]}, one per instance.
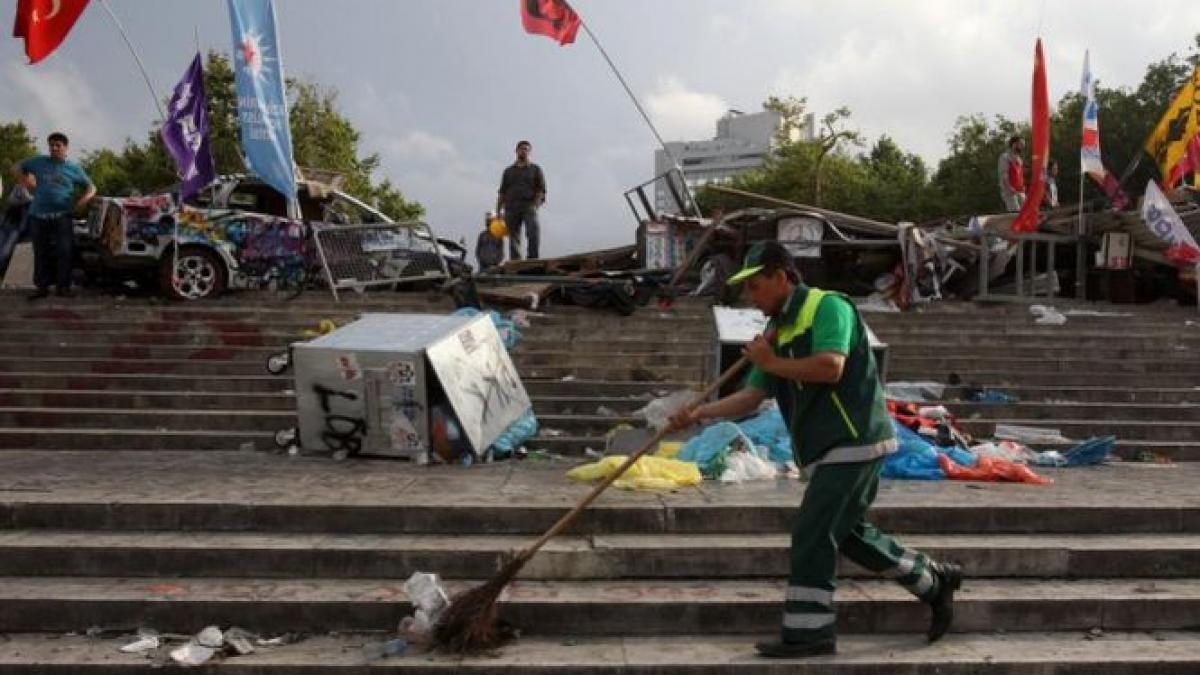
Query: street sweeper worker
{"type": "Point", "coordinates": [820, 370]}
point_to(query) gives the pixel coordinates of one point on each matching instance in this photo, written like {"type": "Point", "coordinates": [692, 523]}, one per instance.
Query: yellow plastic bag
{"type": "Point", "coordinates": [669, 449]}
{"type": "Point", "coordinates": [648, 473]}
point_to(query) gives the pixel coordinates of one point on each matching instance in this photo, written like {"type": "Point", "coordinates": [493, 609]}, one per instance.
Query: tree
{"type": "Point", "coordinates": [322, 138]}
{"type": "Point", "coordinates": [897, 184]}
{"type": "Point", "coordinates": [966, 181]}
{"type": "Point", "coordinates": [15, 145]}
{"type": "Point", "coordinates": [791, 111]}
{"type": "Point", "coordinates": [833, 132]}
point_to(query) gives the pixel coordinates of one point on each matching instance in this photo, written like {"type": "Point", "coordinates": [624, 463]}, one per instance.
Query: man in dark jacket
{"type": "Point", "coordinates": [818, 366]}
{"type": "Point", "coordinates": [522, 192]}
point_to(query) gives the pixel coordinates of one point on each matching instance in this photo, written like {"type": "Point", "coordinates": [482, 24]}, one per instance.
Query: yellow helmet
{"type": "Point", "coordinates": [498, 227]}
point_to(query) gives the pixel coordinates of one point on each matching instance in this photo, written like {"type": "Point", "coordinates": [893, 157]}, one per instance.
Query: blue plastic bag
{"type": "Point", "coordinates": [768, 429]}
{"type": "Point", "coordinates": [517, 433]}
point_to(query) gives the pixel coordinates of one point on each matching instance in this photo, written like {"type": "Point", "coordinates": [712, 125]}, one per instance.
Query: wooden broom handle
{"type": "Point", "coordinates": [570, 516]}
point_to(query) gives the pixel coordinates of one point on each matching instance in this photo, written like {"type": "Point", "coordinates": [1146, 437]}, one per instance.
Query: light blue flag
{"type": "Point", "coordinates": [262, 103]}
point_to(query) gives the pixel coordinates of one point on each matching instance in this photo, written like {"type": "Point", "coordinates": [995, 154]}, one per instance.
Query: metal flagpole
{"type": "Point", "coordinates": [141, 66]}
{"type": "Point", "coordinates": [637, 104]}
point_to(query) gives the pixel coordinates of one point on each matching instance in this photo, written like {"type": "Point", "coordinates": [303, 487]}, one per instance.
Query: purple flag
{"type": "Point", "coordinates": [185, 132]}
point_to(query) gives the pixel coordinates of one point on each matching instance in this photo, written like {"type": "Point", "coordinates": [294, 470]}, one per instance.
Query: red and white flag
{"type": "Point", "coordinates": [44, 24]}
{"type": "Point", "coordinates": [1027, 219]}
{"type": "Point", "coordinates": [1089, 146]}
{"type": "Point", "coordinates": [552, 18]}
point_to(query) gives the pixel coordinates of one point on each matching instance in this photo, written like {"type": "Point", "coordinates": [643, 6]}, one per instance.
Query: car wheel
{"type": "Point", "coordinates": [198, 273]}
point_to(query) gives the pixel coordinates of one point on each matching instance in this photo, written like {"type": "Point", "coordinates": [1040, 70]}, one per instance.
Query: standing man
{"type": "Point", "coordinates": [54, 181]}
{"type": "Point", "coordinates": [1050, 201]}
{"type": "Point", "coordinates": [1010, 170]}
{"type": "Point", "coordinates": [820, 370]}
{"type": "Point", "coordinates": [522, 192]}
{"type": "Point", "coordinates": [13, 226]}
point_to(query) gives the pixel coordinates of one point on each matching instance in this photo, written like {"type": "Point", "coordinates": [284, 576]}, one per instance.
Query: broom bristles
{"type": "Point", "coordinates": [471, 624]}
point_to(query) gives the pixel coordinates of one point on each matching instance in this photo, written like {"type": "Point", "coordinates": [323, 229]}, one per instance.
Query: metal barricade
{"type": "Point", "coordinates": [1028, 247]}
{"type": "Point", "coordinates": [358, 257]}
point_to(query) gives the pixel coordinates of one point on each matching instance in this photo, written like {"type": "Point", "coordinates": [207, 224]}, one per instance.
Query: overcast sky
{"type": "Point", "coordinates": [443, 89]}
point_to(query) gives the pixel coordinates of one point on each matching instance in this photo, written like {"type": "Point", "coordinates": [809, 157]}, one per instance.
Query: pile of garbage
{"type": "Point", "coordinates": [932, 446]}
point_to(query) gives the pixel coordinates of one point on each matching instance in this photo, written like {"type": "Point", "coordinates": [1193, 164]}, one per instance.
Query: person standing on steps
{"type": "Point", "coordinates": [1010, 171]}
{"type": "Point", "coordinates": [819, 368]}
{"type": "Point", "coordinates": [522, 192]}
{"type": "Point", "coordinates": [54, 181]}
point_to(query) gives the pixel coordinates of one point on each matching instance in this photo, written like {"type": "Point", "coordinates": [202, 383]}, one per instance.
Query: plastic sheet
{"type": "Point", "coordinates": [648, 473]}
{"type": "Point", "coordinates": [991, 469]}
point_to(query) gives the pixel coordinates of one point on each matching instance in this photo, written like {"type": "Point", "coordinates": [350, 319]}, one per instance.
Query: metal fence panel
{"type": "Point", "coordinates": [361, 256]}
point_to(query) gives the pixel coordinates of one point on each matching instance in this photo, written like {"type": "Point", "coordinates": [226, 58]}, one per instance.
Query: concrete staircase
{"type": "Point", "coordinates": [134, 491]}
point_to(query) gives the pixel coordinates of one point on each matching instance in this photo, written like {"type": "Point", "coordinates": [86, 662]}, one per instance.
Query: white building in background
{"type": "Point", "coordinates": [741, 144]}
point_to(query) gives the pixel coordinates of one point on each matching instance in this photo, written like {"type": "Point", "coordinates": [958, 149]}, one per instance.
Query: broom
{"type": "Point", "coordinates": [471, 623]}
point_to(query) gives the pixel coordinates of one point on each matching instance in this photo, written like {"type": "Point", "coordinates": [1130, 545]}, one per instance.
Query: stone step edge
{"type": "Point", "coordinates": [1062, 653]}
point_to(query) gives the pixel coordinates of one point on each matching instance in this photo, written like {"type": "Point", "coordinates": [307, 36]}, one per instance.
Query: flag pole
{"type": "Point", "coordinates": [637, 104]}
{"type": "Point", "coordinates": [141, 66]}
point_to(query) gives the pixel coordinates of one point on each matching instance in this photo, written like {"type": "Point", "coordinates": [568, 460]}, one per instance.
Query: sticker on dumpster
{"type": "Point", "coordinates": [402, 433]}
{"type": "Point", "coordinates": [347, 365]}
{"type": "Point", "coordinates": [402, 373]}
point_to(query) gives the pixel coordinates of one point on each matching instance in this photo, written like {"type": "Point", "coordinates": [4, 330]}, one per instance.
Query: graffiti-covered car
{"type": "Point", "coordinates": [235, 234]}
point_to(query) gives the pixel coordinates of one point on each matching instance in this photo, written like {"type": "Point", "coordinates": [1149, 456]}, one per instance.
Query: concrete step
{"type": "Point", "coordinates": [260, 492]}
{"type": "Point", "coordinates": [1018, 366]}
{"type": "Point", "coordinates": [159, 400]}
{"type": "Point", "coordinates": [646, 372]}
{"type": "Point", "coordinates": [611, 607]}
{"type": "Point", "coordinates": [1002, 379]}
{"type": "Point", "coordinates": [525, 359]}
{"type": "Point", "coordinates": [154, 439]}
{"type": "Point", "coordinates": [297, 556]}
{"type": "Point", "coordinates": [1001, 335]}
{"type": "Point", "coordinates": [1086, 394]}
{"type": "Point", "coordinates": [1036, 411]}
{"type": "Point", "coordinates": [1183, 431]}
{"type": "Point", "coordinates": [1109, 351]}
{"type": "Point", "coordinates": [150, 419]}
{"type": "Point", "coordinates": [173, 382]}
{"type": "Point", "coordinates": [710, 653]}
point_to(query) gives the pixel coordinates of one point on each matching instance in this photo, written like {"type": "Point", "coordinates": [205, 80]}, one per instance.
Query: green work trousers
{"type": "Point", "coordinates": [832, 518]}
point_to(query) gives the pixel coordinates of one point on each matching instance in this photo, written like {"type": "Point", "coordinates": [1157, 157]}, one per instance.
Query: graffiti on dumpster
{"type": "Point", "coordinates": [341, 432]}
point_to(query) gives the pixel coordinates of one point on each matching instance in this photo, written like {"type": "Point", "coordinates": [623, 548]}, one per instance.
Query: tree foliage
{"type": "Point", "coordinates": [889, 184]}
{"type": "Point", "coordinates": [322, 138]}
{"type": "Point", "coordinates": [15, 145]}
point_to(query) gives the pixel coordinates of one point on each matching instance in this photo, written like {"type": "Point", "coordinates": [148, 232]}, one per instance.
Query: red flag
{"type": "Point", "coordinates": [1188, 163]}
{"type": "Point", "coordinates": [552, 18]}
{"type": "Point", "coordinates": [44, 24]}
{"type": "Point", "coordinates": [1027, 219]}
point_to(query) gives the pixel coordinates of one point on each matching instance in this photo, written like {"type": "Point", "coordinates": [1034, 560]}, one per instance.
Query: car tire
{"type": "Point", "coordinates": [201, 274]}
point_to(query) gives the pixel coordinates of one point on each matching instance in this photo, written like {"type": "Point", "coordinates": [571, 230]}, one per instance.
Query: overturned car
{"type": "Point", "coordinates": [236, 234]}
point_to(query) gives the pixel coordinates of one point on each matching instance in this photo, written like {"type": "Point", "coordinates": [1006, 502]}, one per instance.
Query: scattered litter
{"type": "Point", "coordinates": [568, 378]}
{"type": "Point", "coordinates": [238, 641]}
{"type": "Point", "coordinates": [1094, 634]}
{"type": "Point", "coordinates": [280, 640]}
{"type": "Point", "coordinates": [552, 433]}
{"type": "Point", "coordinates": [210, 637]}
{"type": "Point", "coordinates": [377, 651]}
{"type": "Point", "coordinates": [745, 466]}
{"type": "Point", "coordinates": [1047, 315]}
{"type": "Point", "coordinates": [146, 641]}
{"type": "Point", "coordinates": [248, 446]}
{"type": "Point", "coordinates": [669, 449]}
{"type": "Point", "coordinates": [594, 454]}
{"type": "Point", "coordinates": [976, 395]}
{"type": "Point", "coordinates": [657, 413]}
{"type": "Point", "coordinates": [876, 302]}
{"type": "Point", "coordinates": [429, 600]}
{"type": "Point", "coordinates": [918, 392]}
{"type": "Point", "coordinates": [192, 654]}
{"type": "Point", "coordinates": [991, 469]}
{"type": "Point", "coordinates": [1095, 312]}
{"type": "Point", "coordinates": [1029, 435]}
{"type": "Point", "coordinates": [605, 411]}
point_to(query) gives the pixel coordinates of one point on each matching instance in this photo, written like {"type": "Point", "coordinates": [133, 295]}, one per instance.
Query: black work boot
{"type": "Point", "coordinates": [949, 578]}
{"type": "Point", "coordinates": [791, 650]}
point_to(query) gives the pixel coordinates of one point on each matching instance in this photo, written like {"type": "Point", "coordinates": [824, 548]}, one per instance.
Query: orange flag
{"type": "Point", "coordinates": [1027, 219]}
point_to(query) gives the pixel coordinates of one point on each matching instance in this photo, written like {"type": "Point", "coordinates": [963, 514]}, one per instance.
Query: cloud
{"type": "Point", "coordinates": [683, 114]}
{"type": "Point", "coordinates": [57, 97]}
{"type": "Point", "coordinates": [420, 146]}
